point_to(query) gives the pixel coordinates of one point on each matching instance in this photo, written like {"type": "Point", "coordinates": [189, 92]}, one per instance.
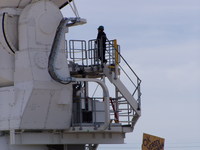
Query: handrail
{"type": "Point", "coordinates": [113, 56]}
{"type": "Point", "coordinates": [138, 79]}
{"type": "Point", "coordinates": [124, 60]}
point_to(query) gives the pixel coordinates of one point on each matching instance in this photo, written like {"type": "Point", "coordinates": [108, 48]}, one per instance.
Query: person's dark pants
{"type": "Point", "coordinates": [102, 55]}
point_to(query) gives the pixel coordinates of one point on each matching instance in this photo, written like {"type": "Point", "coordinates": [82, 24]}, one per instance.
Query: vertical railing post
{"type": "Point", "coordinates": [116, 57]}
{"type": "Point", "coordinates": [81, 113]}
{"type": "Point", "coordinates": [66, 49]}
{"type": "Point", "coordinates": [116, 52]}
{"type": "Point", "coordinates": [139, 94]}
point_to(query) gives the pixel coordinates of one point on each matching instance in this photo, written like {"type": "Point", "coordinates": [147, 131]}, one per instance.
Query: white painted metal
{"type": "Point", "coordinates": [100, 109]}
{"type": "Point", "coordinates": [9, 28]}
{"type": "Point", "coordinates": [5, 145]}
{"type": "Point", "coordinates": [122, 88]}
{"type": "Point", "coordinates": [37, 101]}
{"type": "Point", "coordinates": [24, 3]}
{"type": "Point", "coordinates": [106, 101]}
{"type": "Point", "coordinates": [34, 138]}
{"type": "Point", "coordinates": [48, 104]}
{"type": "Point", "coordinates": [7, 69]}
{"type": "Point", "coordinates": [9, 33]}
{"type": "Point", "coordinates": [35, 110]}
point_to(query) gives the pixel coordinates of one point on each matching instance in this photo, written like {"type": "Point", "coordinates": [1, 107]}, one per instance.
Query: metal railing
{"type": "Point", "coordinates": [125, 113]}
{"type": "Point", "coordinates": [121, 112]}
{"type": "Point", "coordinates": [78, 52]}
{"type": "Point", "coordinates": [109, 52]}
{"type": "Point", "coordinates": [132, 77]}
{"type": "Point", "coordinates": [87, 55]}
{"type": "Point", "coordinates": [89, 116]}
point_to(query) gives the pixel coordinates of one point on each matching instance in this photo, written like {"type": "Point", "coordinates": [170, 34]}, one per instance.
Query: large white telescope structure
{"type": "Point", "coordinates": [46, 84]}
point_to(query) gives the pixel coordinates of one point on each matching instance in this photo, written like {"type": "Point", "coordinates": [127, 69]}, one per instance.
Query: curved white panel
{"type": "Point", "coordinates": [23, 3]}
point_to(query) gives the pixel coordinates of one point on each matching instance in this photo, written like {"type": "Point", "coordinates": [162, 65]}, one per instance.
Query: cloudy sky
{"type": "Point", "coordinates": [161, 41]}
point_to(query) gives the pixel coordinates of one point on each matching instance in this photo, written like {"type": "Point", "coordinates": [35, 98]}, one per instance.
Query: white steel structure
{"type": "Point", "coordinates": [46, 83]}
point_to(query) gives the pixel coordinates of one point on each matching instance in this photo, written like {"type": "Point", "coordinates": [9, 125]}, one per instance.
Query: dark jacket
{"type": "Point", "coordinates": [101, 39]}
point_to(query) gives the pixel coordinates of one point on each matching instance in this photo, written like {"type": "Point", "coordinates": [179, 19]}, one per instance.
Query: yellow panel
{"type": "Point", "coordinates": [151, 142]}
{"type": "Point", "coordinates": [116, 53]}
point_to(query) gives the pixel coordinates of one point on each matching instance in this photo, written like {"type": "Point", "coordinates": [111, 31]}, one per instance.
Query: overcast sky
{"type": "Point", "coordinates": [161, 41]}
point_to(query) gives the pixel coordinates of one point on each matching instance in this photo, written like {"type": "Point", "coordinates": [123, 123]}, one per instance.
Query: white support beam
{"type": "Point", "coordinates": [45, 138]}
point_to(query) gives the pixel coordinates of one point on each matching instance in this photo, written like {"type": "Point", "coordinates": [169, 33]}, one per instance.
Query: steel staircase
{"type": "Point", "coordinates": [123, 91]}
{"type": "Point", "coordinates": [125, 105]}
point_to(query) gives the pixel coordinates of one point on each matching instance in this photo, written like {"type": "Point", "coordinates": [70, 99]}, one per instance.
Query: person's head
{"type": "Point", "coordinates": [100, 28]}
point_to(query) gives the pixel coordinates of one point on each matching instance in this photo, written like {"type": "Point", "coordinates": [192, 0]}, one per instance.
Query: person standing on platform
{"type": "Point", "coordinates": [101, 44]}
